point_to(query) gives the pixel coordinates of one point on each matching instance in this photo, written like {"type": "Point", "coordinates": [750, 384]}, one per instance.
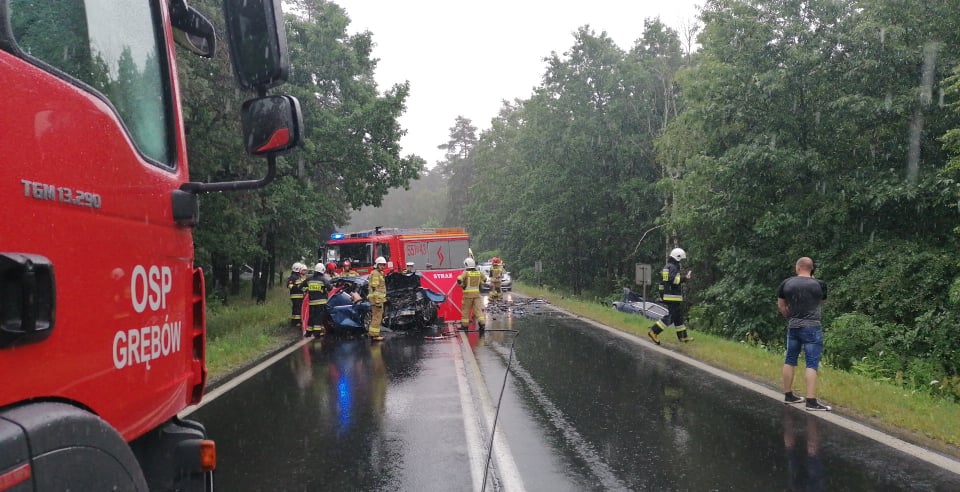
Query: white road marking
{"type": "Point", "coordinates": [234, 382]}
{"type": "Point", "coordinates": [924, 454]}
{"type": "Point", "coordinates": [471, 425]}
{"type": "Point", "coordinates": [506, 467]}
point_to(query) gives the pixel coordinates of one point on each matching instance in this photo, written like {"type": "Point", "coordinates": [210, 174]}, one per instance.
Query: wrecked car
{"type": "Point", "coordinates": [634, 303]}
{"type": "Point", "coordinates": [409, 304]}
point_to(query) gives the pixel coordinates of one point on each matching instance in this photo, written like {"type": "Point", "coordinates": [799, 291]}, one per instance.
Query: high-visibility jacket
{"type": "Point", "coordinates": [671, 282]}
{"type": "Point", "coordinates": [496, 274]}
{"type": "Point", "coordinates": [295, 284]}
{"type": "Point", "coordinates": [470, 280]}
{"type": "Point", "coordinates": [317, 290]}
{"type": "Point", "coordinates": [378, 288]}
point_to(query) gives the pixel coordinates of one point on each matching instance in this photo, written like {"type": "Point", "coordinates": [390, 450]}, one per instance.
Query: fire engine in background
{"type": "Point", "coordinates": [437, 255]}
{"type": "Point", "coordinates": [102, 311]}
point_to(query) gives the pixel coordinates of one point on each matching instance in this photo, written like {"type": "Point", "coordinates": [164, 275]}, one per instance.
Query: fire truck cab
{"type": "Point", "coordinates": [437, 255]}
{"type": "Point", "coordinates": [102, 308]}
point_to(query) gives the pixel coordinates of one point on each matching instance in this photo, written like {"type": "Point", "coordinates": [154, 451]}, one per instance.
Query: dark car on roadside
{"type": "Point", "coordinates": [634, 303]}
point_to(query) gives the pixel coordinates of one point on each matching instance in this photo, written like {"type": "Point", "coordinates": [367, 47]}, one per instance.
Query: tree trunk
{"type": "Point", "coordinates": [235, 279]}
{"type": "Point", "coordinates": [219, 276]}
{"type": "Point", "coordinates": [258, 285]}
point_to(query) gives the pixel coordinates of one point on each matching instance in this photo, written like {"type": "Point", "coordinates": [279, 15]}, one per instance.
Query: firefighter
{"type": "Point", "coordinates": [294, 285]}
{"type": "Point", "coordinates": [331, 270]}
{"type": "Point", "coordinates": [671, 293]}
{"type": "Point", "coordinates": [408, 269]}
{"type": "Point", "coordinates": [347, 269]}
{"type": "Point", "coordinates": [496, 277]}
{"type": "Point", "coordinates": [377, 297]}
{"type": "Point", "coordinates": [470, 280]}
{"type": "Point", "coordinates": [316, 295]}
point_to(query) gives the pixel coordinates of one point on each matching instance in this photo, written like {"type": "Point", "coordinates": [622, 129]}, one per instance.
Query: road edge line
{"type": "Point", "coordinates": [245, 375]}
{"type": "Point", "coordinates": [924, 454]}
{"type": "Point", "coordinates": [471, 423]}
{"type": "Point", "coordinates": [506, 467]}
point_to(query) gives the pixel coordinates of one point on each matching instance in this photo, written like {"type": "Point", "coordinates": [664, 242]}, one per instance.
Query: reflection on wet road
{"type": "Point", "coordinates": [619, 417]}
{"type": "Point", "coordinates": [582, 409]}
{"type": "Point", "coordinates": [345, 415]}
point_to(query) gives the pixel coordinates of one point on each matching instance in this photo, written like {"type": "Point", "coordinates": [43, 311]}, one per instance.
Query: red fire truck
{"type": "Point", "coordinates": [437, 254]}
{"type": "Point", "coordinates": [102, 312]}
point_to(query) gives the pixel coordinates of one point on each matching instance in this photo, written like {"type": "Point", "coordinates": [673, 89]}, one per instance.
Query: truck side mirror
{"type": "Point", "coordinates": [258, 42]}
{"type": "Point", "coordinates": [272, 125]}
{"type": "Point", "coordinates": [192, 30]}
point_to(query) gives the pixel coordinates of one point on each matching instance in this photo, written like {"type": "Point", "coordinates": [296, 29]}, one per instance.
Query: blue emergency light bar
{"type": "Point", "coordinates": [337, 235]}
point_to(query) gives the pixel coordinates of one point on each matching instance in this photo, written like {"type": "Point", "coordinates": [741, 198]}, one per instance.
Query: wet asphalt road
{"type": "Point", "coordinates": [581, 409]}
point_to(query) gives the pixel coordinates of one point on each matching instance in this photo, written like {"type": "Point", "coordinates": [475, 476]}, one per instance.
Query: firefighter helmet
{"type": "Point", "coordinates": [495, 260]}
{"type": "Point", "coordinates": [347, 264]}
{"type": "Point", "coordinates": [331, 266]}
{"type": "Point", "coordinates": [319, 268]}
{"type": "Point", "coordinates": [678, 254]}
{"type": "Point", "coordinates": [469, 263]}
{"type": "Point", "coordinates": [380, 261]}
{"type": "Point", "coordinates": [299, 267]}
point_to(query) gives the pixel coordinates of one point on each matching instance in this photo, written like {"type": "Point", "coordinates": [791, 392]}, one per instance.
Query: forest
{"type": "Point", "coordinates": [351, 156]}
{"type": "Point", "coordinates": [767, 131]}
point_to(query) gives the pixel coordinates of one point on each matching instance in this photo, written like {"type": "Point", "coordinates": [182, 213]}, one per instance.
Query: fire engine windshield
{"type": "Point", "coordinates": [115, 50]}
{"type": "Point", "coordinates": [359, 254]}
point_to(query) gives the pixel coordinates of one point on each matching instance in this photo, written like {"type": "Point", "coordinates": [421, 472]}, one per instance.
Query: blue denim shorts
{"type": "Point", "coordinates": [809, 339]}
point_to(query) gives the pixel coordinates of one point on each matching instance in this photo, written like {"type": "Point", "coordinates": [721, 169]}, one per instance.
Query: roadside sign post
{"type": "Point", "coordinates": [643, 276]}
{"type": "Point", "coordinates": [538, 267]}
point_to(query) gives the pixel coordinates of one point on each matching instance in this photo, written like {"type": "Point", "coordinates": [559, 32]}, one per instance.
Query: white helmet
{"type": "Point", "coordinates": [298, 267]}
{"type": "Point", "coordinates": [380, 261]}
{"type": "Point", "coordinates": [678, 254]}
{"type": "Point", "coordinates": [469, 263]}
{"type": "Point", "coordinates": [319, 268]}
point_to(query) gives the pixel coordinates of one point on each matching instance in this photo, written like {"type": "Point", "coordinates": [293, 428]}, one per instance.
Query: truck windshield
{"type": "Point", "coordinates": [359, 254]}
{"type": "Point", "coordinates": [116, 50]}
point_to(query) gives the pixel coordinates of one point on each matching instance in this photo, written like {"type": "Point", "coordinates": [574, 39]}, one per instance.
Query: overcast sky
{"type": "Point", "coordinates": [464, 58]}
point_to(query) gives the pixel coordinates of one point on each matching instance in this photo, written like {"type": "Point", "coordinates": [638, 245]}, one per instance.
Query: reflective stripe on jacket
{"type": "Point", "coordinates": [378, 288]}
{"type": "Point", "coordinates": [496, 274]}
{"type": "Point", "coordinates": [470, 280]}
{"type": "Point", "coordinates": [317, 290]}
{"type": "Point", "coordinates": [671, 283]}
{"type": "Point", "coordinates": [296, 288]}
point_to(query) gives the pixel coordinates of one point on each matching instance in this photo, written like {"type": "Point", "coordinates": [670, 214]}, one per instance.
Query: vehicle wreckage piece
{"type": "Point", "coordinates": [636, 304]}
{"type": "Point", "coordinates": [410, 305]}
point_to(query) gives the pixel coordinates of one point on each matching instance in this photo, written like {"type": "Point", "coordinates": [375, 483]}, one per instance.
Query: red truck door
{"type": "Point", "coordinates": [93, 152]}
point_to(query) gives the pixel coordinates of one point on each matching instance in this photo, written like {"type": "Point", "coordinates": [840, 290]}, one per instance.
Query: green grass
{"type": "Point", "coordinates": [242, 330]}
{"type": "Point", "coordinates": [912, 415]}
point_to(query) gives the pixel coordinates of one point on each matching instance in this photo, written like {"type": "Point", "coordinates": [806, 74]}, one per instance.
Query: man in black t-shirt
{"type": "Point", "coordinates": [799, 299]}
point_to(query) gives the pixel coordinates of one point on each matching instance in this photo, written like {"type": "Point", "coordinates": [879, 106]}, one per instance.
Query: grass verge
{"type": "Point", "coordinates": [242, 331]}
{"type": "Point", "coordinates": [913, 416]}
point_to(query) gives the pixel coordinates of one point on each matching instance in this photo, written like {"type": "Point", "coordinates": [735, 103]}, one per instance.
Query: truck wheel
{"type": "Point", "coordinates": [69, 449]}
